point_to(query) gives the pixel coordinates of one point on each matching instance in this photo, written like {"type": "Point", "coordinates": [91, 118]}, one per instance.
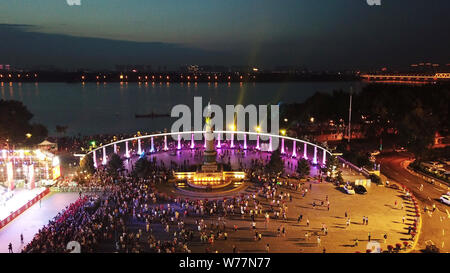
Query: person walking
{"type": "Point", "coordinates": [21, 238]}
{"type": "Point", "coordinates": [10, 249]}
{"type": "Point", "coordinates": [356, 242]}
{"type": "Point", "coordinates": [385, 237]}
{"type": "Point", "coordinates": [369, 237]}
{"type": "Point", "coordinates": [318, 240]}
{"type": "Point", "coordinates": [267, 248]}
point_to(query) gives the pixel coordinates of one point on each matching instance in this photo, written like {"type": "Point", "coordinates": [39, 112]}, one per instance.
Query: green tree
{"type": "Point", "coordinates": [275, 165]}
{"type": "Point", "coordinates": [87, 164]}
{"type": "Point", "coordinates": [303, 168]}
{"type": "Point", "coordinates": [142, 167]}
{"type": "Point", "coordinates": [331, 161]}
{"type": "Point", "coordinates": [115, 163]}
{"type": "Point", "coordinates": [15, 124]}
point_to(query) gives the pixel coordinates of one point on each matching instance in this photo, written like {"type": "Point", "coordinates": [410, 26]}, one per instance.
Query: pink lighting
{"type": "Point", "coordinates": [192, 141]}
{"type": "Point", "coordinates": [282, 145]}
{"type": "Point", "coordinates": [31, 176]}
{"type": "Point", "coordinates": [315, 155]}
{"type": "Point", "coordinates": [218, 141]}
{"type": "Point", "coordinates": [294, 149]}
{"type": "Point", "coordinates": [10, 173]}
{"type": "Point", "coordinates": [152, 148]}
{"type": "Point", "coordinates": [165, 143]}
{"type": "Point", "coordinates": [232, 140]}
{"type": "Point", "coordinates": [179, 142]}
{"type": "Point", "coordinates": [94, 157]}
{"type": "Point", "coordinates": [127, 151]}
{"type": "Point", "coordinates": [305, 151]}
{"type": "Point", "coordinates": [245, 142]}
{"type": "Point", "coordinates": [104, 156]}
{"type": "Point", "coordinates": [324, 159]}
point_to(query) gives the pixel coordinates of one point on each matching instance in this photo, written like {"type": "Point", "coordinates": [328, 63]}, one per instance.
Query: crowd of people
{"type": "Point", "coordinates": [132, 215]}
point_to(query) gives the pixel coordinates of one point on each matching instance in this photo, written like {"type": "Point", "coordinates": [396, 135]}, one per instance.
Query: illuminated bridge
{"type": "Point", "coordinates": [407, 77]}
{"type": "Point", "coordinates": [100, 154]}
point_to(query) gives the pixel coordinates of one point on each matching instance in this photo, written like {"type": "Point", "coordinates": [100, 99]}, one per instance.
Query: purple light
{"type": "Point", "coordinates": [282, 145]}
{"type": "Point", "coordinates": [218, 140]}
{"type": "Point", "coordinates": [94, 157]}
{"type": "Point", "coordinates": [324, 159]}
{"type": "Point", "coordinates": [104, 156]}
{"type": "Point", "coordinates": [315, 155]}
{"type": "Point", "coordinates": [305, 151]}
{"type": "Point", "coordinates": [127, 151]}
{"type": "Point", "coordinates": [245, 141]}
{"type": "Point", "coordinates": [232, 140]}
{"type": "Point", "coordinates": [152, 148]}
{"type": "Point", "coordinates": [294, 149]}
{"type": "Point", "coordinates": [179, 142]}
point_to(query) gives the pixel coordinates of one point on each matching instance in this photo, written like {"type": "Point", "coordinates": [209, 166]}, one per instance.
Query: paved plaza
{"type": "Point", "coordinates": [33, 219]}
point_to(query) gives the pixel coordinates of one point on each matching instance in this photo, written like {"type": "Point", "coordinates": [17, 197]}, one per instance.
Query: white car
{"type": "Point", "coordinates": [445, 199]}
{"type": "Point", "coordinates": [349, 190]}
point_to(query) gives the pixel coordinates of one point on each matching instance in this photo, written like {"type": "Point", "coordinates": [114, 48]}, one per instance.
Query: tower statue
{"type": "Point", "coordinates": [209, 157]}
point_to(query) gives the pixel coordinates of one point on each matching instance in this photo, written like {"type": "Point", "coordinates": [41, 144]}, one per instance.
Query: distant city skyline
{"type": "Point", "coordinates": [319, 35]}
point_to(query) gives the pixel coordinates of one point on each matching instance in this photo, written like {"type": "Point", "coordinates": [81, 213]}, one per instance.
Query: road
{"type": "Point", "coordinates": [436, 226]}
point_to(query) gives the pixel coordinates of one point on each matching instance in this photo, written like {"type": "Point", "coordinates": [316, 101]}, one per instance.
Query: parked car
{"type": "Point", "coordinates": [445, 199]}
{"type": "Point", "coordinates": [349, 189]}
{"type": "Point", "coordinates": [360, 189]}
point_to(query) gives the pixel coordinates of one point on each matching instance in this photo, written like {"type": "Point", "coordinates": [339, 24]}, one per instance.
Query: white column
{"type": "Point", "coordinates": [104, 156]}
{"type": "Point", "coordinates": [139, 147]}
{"type": "Point", "coordinates": [270, 144]}
{"type": "Point", "coordinates": [315, 155]}
{"type": "Point", "coordinates": [192, 141]}
{"type": "Point", "coordinates": [294, 148]}
{"type": "Point", "coordinates": [282, 145]}
{"type": "Point", "coordinates": [232, 140]}
{"type": "Point", "coordinates": [257, 142]}
{"type": "Point", "coordinates": [245, 141]}
{"type": "Point", "coordinates": [218, 140]}
{"type": "Point", "coordinates": [305, 151]}
{"type": "Point", "coordinates": [152, 148]}
{"type": "Point", "coordinates": [179, 142]}
{"type": "Point", "coordinates": [324, 158]}
{"type": "Point", "coordinates": [94, 158]}
{"type": "Point", "coordinates": [127, 151]}
{"type": "Point", "coordinates": [115, 148]}
{"type": "Point", "coordinates": [165, 143]}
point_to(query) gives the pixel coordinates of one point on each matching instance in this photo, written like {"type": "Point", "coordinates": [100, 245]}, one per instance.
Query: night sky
{"type": "Point", "coordinates": [318, 34]}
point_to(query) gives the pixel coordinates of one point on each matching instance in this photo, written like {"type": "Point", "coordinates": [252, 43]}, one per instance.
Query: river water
{"type": "Point", "coordinates": [109, 108]}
